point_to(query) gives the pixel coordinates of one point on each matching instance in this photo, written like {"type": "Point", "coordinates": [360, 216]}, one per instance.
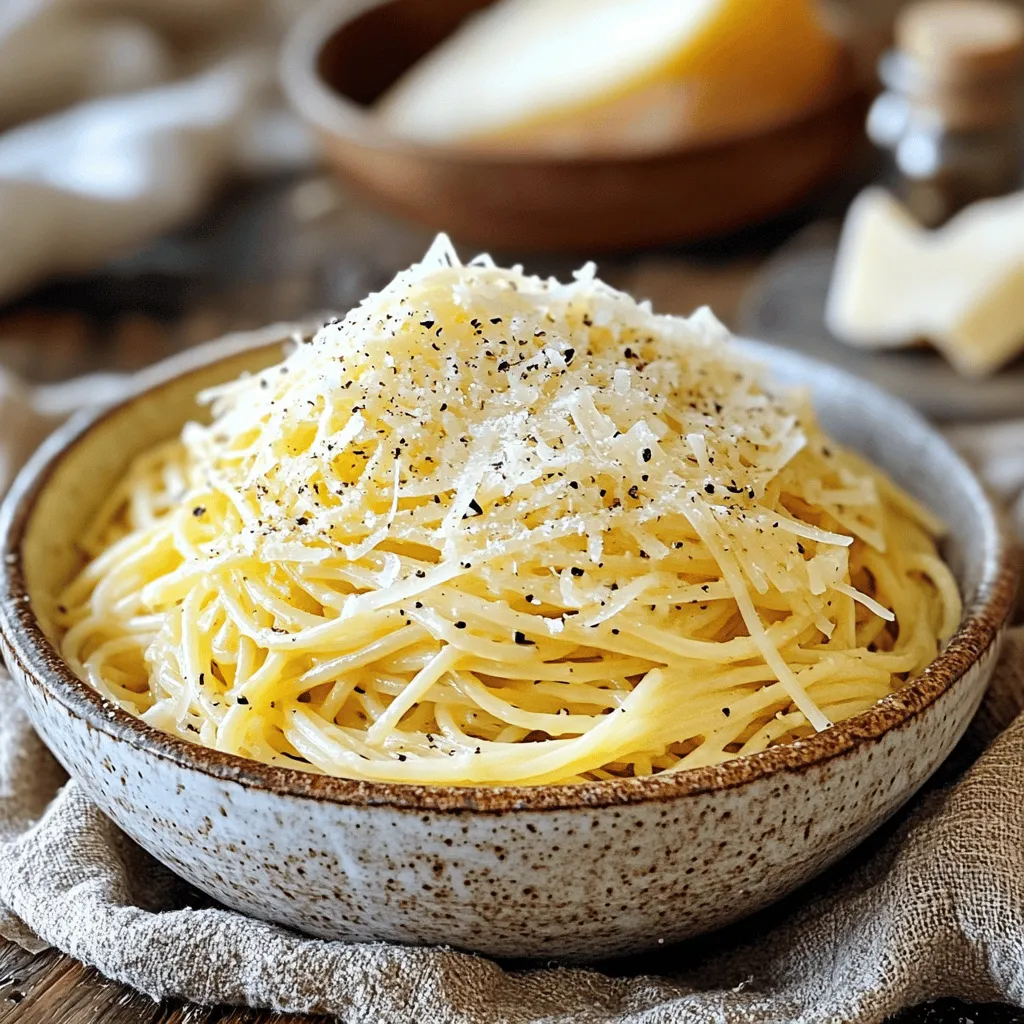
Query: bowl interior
{"type": "Point", "coordinates": [59, 491]}
{"type": "Point", "coordinates": [897, 439]}
{"type": "Point", "coordinates": [601, 191]}
{"type": "Point", "coordinates": [358, 50]}
{"type": "Point", "coordinates": [72, 492]}
{"type": "Point", "coordinates": [369, 53]}
{"type": "Point", "coordinates": [890, 434]}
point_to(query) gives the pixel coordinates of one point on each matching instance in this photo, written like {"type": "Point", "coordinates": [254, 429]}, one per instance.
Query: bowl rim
{"type": "Point", "coordinates": [334, 113]}
{"type": "Point", "coordinates": [25, 643]}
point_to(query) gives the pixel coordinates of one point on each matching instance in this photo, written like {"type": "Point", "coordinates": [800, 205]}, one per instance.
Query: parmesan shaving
{"type": "Point", "coordinates": [493, 529]}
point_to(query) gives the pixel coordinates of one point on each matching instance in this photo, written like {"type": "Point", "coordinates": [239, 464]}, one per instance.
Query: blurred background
{"type": "Point", "coordinates": [173, 172]}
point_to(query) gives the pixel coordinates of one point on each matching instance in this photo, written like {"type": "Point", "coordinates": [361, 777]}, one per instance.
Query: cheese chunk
{"type": "Point", "coordinates": [960, 286]}
{"type": "Point", "coordinates": [531, 70]}
{"type": "Point", "coordinates": [991, 331]}
{"type": "Point", "coordinates": [877, 288]}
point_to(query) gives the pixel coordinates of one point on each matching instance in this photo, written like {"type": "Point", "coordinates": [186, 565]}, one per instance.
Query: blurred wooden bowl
{"type": "Point", "coordinates": [342, 55]}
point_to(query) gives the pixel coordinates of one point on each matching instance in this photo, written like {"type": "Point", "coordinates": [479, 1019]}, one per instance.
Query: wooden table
{"type": "Point", "coordinates": [269, 253]}
{"type": "Point", "coordinates": [54, 989]}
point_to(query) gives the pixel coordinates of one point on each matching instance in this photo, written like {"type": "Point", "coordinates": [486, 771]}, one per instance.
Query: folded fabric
{"type": "Point", "coordinates": [933, 906]}
{"type": "Point", "coordinates": [148, 107]}
{"type": "Point", "coordinates": [937, 910]}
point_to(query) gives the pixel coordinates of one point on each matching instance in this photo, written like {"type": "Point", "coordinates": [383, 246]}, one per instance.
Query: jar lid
{"type": "Point", "coordinates": [956, 40]}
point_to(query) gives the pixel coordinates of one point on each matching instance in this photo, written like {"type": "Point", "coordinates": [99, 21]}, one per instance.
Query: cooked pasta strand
{"type": "Point", "coordinates": [496, 530]}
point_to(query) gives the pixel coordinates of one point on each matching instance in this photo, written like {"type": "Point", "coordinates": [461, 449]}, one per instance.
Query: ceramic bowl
{"type": "Point", "coordinates": [573, 871]}
{"type": "Point", "coordinates": [343, 54]}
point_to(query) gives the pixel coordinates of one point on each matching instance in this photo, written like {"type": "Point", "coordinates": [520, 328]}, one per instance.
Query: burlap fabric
{"type": "Point", "coordinates": [933, 906]}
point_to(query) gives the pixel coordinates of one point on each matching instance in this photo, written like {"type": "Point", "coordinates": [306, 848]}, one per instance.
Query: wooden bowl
{"type": "Point", "coordinates": [576, 871]}
{"type": "Point", "coordinates": [342, 55]}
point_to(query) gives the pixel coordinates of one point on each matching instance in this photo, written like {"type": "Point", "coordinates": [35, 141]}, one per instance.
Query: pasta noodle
{"type": "Point", "coordinates": [491, 529]}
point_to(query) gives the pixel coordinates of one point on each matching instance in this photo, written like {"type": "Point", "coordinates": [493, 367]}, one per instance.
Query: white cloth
{"type": "Point", "coordinates": [142, 107]}
{"type": "Point", "coordinates": [933, 906]}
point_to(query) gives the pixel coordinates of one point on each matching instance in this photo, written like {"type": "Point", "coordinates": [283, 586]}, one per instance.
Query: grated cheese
{"type": "Point", "coordinates": [490, 528]}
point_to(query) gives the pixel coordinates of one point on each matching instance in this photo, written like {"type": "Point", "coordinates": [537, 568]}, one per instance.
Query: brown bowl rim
{"type": "Point", "coordinates": [25, 642]}
{"type": "Point", "coordinates": [331, 112]}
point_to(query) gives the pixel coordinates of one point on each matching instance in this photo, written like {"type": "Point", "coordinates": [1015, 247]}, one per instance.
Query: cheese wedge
{"type": "Point", "coordinates": [878, 290]}
{"type": "Point", "coordinates": [525, 70]}
{"type": "Point", "coordinates": [960, 286]}
{"type": "Point", "coordinates": [989, 332]}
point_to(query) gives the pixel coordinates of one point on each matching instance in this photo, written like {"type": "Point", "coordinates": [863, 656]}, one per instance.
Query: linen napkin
{"type": "Point", "coordinates": [932, 906]}
{"type": "Point", "coordinates": [122, 116]}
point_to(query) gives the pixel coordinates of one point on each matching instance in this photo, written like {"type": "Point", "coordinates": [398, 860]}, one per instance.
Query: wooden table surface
{"type": "Point", "coordinates": [54, 989]}
{"type": "Point", "coordinates": [274, 252]}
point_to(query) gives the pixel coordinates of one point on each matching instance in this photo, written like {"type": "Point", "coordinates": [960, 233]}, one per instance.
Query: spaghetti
{"type": "Point", "coordinates": [491, 529]}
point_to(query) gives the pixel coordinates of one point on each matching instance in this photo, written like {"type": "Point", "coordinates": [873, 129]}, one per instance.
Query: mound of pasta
{"type": "Point", "coordinates": [491, 529]}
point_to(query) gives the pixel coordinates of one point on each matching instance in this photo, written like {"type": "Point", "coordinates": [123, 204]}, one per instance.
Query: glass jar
{"type": "Point", "coordinates": [950, 118]}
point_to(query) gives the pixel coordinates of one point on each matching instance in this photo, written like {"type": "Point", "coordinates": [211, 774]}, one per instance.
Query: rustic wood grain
{"type": "Point", "coordinates": [50, 988]}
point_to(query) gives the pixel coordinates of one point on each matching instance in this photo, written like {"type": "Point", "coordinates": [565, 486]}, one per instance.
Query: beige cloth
{"type": "Point", "coordinates": [122, 116]}
{"type": "Point", "coordinates": [932, 906]}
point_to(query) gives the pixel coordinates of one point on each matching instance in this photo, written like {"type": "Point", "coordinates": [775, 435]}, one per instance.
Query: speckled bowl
{"type": "Point", "coordinates": [581, 871]}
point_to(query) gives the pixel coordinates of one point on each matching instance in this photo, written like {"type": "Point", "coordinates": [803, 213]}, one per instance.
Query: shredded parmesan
{"type": "Point", "coordinates": [396, 547]}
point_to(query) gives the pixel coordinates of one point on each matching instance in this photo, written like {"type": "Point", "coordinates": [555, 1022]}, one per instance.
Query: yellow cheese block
{"type": "Point", "coordinates": [572, 73]}
{"type": "Point", "coordinates": [757, 62]}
